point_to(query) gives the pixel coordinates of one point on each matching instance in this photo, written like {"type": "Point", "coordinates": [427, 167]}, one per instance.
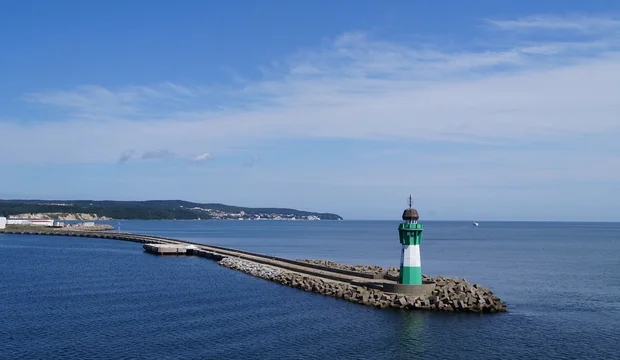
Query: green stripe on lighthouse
{"type": "Point", "coordinates": [410, 275]}
{"type": "Point", "coordinates": [410, 233]}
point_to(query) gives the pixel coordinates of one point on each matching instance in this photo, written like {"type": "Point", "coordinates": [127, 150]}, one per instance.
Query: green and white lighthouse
{"type": "Point", "coordinates": [410, 232]}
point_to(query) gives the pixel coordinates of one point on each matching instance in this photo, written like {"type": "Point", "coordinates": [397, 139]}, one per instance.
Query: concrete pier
{"type": "Point", "coordinates": [378, 287]}
{"type": "Point", "coordinates": [169, 249]}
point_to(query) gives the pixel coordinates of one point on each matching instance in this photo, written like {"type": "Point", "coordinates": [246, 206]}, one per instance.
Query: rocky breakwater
{"type": "Point", "coordinates": [252, 268]}
{"type": "Point", "coordinates": [387, 273]}
{"type": "Point", "coordinates": [449, 295]}
{"type": "Point", "coordinates": [102, 227]}
{"type": "Point", "coordinates": [365, 269]}
{"type": "Point", "coordinates": [454, 294]}
{"type": "Point", "coordinates": [93, 228]}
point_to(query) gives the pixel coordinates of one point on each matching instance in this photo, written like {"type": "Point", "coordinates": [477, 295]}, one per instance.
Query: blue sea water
{"type": "Point", "coordinates": [78, 298]}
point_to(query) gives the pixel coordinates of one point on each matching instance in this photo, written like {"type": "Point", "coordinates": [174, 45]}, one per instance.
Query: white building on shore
{"type": "Point", "coordinates": [2, 222]}
{"type": "Point", "coordinates": [31, 222]}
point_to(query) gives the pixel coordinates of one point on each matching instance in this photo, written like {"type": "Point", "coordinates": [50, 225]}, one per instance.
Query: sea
{"type": "Point", "coordinates": [80, 298]}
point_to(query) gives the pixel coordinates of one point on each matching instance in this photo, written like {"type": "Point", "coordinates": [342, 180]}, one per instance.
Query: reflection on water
{"type": "Point", "coordinates": [412, 327]}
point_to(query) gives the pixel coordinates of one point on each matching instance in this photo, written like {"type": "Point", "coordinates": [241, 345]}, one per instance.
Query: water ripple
{"type": "Point", "coordinates": [96, 299]}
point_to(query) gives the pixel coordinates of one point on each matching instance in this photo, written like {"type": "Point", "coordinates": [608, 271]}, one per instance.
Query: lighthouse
{"type": "Point", "coordinates": [410, 233]}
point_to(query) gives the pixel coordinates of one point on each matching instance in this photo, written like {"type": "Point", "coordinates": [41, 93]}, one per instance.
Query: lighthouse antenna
{"type": "Point", "coordinates": [410, 201]}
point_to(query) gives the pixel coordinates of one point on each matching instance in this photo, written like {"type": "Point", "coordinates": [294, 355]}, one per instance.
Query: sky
{"type": "Point", "coordinates": [482, 110]}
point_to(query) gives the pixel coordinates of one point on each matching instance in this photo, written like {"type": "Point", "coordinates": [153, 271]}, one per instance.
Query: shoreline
{"type": "Point", "coordinates": [362, 284]}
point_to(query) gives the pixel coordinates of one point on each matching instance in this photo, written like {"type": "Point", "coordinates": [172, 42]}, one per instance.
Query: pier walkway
{"type": "Point", "coordinates": [180, 247]}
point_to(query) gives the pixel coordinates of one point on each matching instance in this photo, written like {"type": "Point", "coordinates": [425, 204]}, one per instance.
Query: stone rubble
{"type": "Point", "coordinates": [101, 227]}
{"type": "Point", "coordinates": [453, 295]}
{"type": "Point", "coordinates": [367, 269]}
{"type": "Point", "coordinates": [252, 268]}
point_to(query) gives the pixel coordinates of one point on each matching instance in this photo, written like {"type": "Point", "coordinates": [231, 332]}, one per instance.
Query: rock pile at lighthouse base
{"type": "Point", "coordinates": [365, 269]}
{"type": "Point", "coordinates": [449, 295]}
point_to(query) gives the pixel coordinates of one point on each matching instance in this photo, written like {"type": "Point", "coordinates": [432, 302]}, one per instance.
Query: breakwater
{"type": "Point", "coordinates": [450, 294]}
{"type": "Point", "coordinates": [362, 284]}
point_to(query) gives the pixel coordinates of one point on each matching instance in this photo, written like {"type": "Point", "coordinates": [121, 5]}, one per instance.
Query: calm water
{"type": "Point", "coordinates": [74, 298]}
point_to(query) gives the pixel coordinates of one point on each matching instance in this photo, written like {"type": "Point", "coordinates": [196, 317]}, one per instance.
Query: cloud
{"type": "Point", "coordinates": [519, 89]}
{"type": "Point", "coordinates": [157, 155]}
{"type": "Point", "coordinates": [125, 156]}
{"type": "Point", "coordinates": [97, 103]}
{"type": "Point", "coordinates": [456, 172]}
{"type": "Point", "coordinates": [591, 24]}
{"type": "Point", "coordinates": [202, 157]}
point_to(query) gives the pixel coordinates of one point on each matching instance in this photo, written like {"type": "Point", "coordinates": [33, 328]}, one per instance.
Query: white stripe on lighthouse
{"type": "Point", "coordinates": [411, 256]}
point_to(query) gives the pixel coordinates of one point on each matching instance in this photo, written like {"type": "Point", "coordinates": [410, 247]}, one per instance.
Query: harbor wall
{"type": "Point", "coordinates": [323, 277]}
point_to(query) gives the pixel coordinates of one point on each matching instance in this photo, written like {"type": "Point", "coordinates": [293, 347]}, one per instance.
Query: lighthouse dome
{"type": "Point", "coordinates": [411, 215]}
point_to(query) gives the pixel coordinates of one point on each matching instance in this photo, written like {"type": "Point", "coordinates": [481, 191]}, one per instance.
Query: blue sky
{"type": "Point", "coordinates": [485, 110]}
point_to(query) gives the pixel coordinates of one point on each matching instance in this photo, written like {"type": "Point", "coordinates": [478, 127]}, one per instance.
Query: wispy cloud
{"type": "Point", "coordinates": [591, 24]}
{"type": "Point", "coordinates": [157, 154]}
{"type": "Point", "coordinates": [97, 102]}
{"type": "Point", "coordinates": [202, 157]}
{"type": "Point", "coordinates": [519, 89]}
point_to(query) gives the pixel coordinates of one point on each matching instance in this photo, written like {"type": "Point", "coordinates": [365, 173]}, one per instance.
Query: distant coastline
{"type": "Point", "coordinates": [149, 210]}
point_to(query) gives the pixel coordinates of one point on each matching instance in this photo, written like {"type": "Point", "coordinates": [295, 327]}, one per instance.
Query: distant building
{"type": "Point", "coordinates": [31, 222]}
{"type": "Point", "coordinates": [2, 222]}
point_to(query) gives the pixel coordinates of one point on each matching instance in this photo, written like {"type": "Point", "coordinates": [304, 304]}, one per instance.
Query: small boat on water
{"type": "Point", "coordinates": [475, 223]}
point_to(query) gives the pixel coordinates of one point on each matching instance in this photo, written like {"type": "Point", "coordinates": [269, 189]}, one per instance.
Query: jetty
{"type": "Point", "coordinates": [363, 284]}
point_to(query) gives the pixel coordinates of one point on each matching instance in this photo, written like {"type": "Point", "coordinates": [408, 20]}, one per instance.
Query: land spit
{"type": "Point", "coordinates": [362, 284]}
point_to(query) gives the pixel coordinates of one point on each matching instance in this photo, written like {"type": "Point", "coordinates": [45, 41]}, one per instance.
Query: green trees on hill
{"type": "Point", "coordinates": [142, 210]}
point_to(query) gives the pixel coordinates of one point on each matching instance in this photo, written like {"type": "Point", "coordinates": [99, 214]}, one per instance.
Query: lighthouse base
{"type": "Point", "coordinates": [426, 289]}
